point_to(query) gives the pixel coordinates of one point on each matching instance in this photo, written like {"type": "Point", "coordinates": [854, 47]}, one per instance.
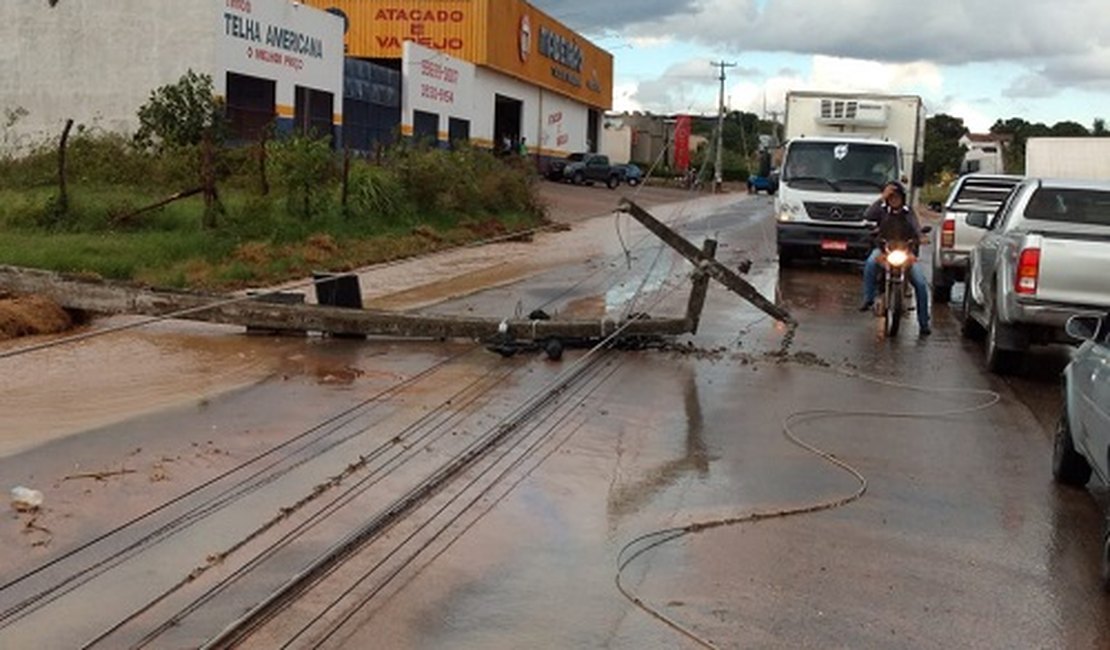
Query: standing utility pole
{"type": "Point", "coordinates": [717, 178]}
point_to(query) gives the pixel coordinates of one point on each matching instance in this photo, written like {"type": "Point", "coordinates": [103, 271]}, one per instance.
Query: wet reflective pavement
{"type": "Point", "coordinates": [962, 540]}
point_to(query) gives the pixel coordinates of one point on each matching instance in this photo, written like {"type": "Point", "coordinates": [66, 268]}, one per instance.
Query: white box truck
{"type": "Point", "coordinates": [1068, 158]}
{"type": "Point", "coordinates": [840, 151]}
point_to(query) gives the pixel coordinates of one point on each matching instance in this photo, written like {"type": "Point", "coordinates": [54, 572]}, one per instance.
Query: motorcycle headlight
{"type": "Point", "coordinates": [897, 258]}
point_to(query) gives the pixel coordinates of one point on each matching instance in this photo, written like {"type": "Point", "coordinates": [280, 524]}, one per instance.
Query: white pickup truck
{"type": "Point", "coordinates": [1044, 258]}
{"type": "Point", "coordinates": [970, 193]}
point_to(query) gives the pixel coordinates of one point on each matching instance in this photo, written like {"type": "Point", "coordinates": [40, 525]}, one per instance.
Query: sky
{"type": "Point", "coordinates": [980, 60]}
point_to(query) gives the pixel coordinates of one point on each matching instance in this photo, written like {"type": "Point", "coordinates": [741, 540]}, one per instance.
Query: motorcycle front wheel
{"type": "Point", "coordinates": [895, 307]}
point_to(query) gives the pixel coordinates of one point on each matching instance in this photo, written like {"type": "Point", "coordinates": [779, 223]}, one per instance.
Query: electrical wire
{"type": "Point", "coordinates": [653, 540]}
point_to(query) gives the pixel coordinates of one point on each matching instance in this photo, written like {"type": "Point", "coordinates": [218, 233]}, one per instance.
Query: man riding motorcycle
{"type": "Point", "coordinates": [896, 222]}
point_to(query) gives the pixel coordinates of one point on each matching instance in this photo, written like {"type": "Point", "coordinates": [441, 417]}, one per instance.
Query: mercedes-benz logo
{"type": "Point", "coordinates": [837, 213]}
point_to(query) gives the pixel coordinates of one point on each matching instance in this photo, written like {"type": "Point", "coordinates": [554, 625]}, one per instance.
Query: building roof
{"type": "Point", "coordinates": [986, 138]}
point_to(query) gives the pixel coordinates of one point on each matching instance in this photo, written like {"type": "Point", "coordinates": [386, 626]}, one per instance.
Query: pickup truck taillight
{"type": "Point", "coordinates": [1028, 270]}
{"type": "Point", "coordinates": [948, 233]}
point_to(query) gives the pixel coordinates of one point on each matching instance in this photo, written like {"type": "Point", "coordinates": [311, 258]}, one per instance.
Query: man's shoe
{"type": "Point", "coordinates": [926, 331]}
{"type": "Point", "coordinates": [867, 306]}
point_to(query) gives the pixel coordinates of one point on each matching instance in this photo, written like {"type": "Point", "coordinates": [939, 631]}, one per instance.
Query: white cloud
{"type": "Point", "coordinates": [691, 84]}
{"type": "Point", "coordinates": [1067, 42]}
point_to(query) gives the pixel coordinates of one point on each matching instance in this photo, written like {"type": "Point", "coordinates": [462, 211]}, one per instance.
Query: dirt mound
{"type": "Point", "coordinates": [29, 315]}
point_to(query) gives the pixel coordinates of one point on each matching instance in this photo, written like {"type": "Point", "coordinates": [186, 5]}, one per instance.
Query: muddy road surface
{"type": "Point", "coordinates": [664, 473]}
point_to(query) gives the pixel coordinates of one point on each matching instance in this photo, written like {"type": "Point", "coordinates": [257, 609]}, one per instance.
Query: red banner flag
{"type": "Point", "coordinates": [682, 143]}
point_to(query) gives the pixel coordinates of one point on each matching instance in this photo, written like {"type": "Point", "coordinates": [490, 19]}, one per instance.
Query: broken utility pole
{"type": "Point", "coordinates": [706, 263]}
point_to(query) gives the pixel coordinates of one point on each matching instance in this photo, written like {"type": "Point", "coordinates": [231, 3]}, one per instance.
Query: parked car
{"type": "Point", "coordinates": [768, 183]}
{"type": "Point", "coordinates": [1045, 257]}
{"type": "Point", "coordinates": [631, 174]}
{"type": "Point", "coordinates": [591, 168]}
{"type": "Point", "coordinates": [555, 167]}
{"type": "Point", "coordinates": [970, 193]}
{"type": "Point", "coordinates": [1083, 435]}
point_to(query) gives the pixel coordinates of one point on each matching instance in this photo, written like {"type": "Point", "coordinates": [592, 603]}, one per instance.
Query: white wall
{"type": "Point", "coordinates": [551, 123]}
{"type": "Point", "coordinates": [616, 142]}
{"type": "Point", "coordinates": [565, 123]}
{"type": "Point", "coordinates": [97, 61]}
{"type": "Point", "coordinates": [434, 82]}
{"type": "Point", "coordinates": [315, 62]}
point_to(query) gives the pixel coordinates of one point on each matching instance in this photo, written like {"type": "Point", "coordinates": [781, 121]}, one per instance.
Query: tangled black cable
{"type": "Point", "coordinates": [644, 543]}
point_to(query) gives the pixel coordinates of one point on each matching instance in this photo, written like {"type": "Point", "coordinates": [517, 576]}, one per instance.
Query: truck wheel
{"type": "Point", "coordinates": [1069, 467]}
{"type": "Point", "coordinates": [999, 360]}
{"type": "Point", "coordinates": [579, 178]}
{"type": "Point", "coordinates": [614, 182]}
{"type": "Point", "coordinates": [1106, 558]}
{"type": "Point", "coordinates": [786, 256]}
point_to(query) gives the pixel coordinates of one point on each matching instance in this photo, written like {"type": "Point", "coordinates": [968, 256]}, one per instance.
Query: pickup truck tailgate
{"type": "Point", "coordinates": [1075, 270]}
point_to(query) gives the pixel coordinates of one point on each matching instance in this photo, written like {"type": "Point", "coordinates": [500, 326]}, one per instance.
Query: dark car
{"type": "Point", "coordinates": [1083, 436]}
{"type": "Point", "coordinates": [555, 167]}
{"type": "Point", "coordinates": [631, 174]}
{"type": "Point", "coordinates": [592, 168]}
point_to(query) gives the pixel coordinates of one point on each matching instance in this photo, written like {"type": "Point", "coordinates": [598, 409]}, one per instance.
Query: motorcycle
{"type": "Point", "coordinates": [897, 259]}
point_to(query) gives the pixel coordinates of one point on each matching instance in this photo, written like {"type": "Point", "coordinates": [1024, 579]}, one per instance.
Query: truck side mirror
{"type": "Point", "coordinates": [978, 220]}
{"type": "Point", "coordinates": [918, 174]}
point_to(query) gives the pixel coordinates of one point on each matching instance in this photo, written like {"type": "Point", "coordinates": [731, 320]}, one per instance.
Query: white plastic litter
{"type": "Point", "coordinates": [25, 499]}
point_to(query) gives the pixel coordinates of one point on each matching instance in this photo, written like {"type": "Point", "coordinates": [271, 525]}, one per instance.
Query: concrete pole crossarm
{"type": "Point", "coordinates": [707, 265]}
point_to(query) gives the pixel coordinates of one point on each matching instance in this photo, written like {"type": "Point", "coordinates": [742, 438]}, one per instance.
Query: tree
{"type": "Point", "coordinates": [1098, 129]}
{"type": "Point", "coordinates": [1019, 131]}
{"type": "Point", "coordinates": [180, 114]}
{"type": "Point", "coordinates": [943, 151]}
{"type": "Point", "coordinates": [1069, 129]}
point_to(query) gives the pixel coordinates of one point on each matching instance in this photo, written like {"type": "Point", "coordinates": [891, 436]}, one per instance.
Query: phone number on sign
{"type": "Point", "coordinates": [433, 93]}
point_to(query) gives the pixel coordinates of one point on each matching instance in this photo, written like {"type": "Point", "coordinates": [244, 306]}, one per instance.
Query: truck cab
{"type": "Point", "coordinates": [826, 186]}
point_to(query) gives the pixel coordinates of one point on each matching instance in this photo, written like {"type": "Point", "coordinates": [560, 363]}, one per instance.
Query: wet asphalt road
{"type": "Point", "coordinates": [960, 541]}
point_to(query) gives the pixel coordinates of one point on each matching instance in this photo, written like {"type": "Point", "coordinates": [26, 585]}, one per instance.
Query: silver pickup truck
{"type": "Point", "coordinates": [1045, 257]}
{"type": "Point", "coordinates": [970, 193]}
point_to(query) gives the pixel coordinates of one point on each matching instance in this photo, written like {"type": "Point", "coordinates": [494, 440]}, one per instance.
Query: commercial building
{"type": "Point", "coordinates": [97, 61]}
{"type": "Point", "coordinates": [499, 73]}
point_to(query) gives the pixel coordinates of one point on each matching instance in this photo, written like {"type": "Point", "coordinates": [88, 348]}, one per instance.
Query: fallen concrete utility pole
{"type": "Point", "coordinates": [705, 263]}
{"type": "Point", "coordinates": [102, 297]}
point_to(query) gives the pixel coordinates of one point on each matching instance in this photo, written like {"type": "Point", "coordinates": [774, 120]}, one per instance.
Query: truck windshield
{"type": "Point", "coordinates": [1090, 207]}
{"type": "Point", "coordinates": [840, 167]}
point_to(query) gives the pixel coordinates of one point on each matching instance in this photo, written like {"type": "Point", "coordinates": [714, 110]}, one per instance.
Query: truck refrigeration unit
{"type": "Point", "coordinates": [840, 151]}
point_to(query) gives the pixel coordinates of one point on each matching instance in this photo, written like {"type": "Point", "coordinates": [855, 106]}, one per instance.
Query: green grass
{"type": "Point", "coordinates": [420, 200]}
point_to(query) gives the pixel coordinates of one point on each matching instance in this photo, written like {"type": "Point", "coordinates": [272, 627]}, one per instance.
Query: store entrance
{"type": "Point", "coordinates": [506, 124]}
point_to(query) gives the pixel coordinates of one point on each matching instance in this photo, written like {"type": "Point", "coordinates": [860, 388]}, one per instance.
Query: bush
{"type": "Point", "coordinates": [305, 168]}
{"type": "Point", "coordinates": [181, 114]}
{"type": "Point", "coordinates": [376, 193]}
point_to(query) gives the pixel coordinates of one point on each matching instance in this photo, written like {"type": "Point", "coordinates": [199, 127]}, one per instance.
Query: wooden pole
{"type": "Point", "coordinates": [346, 177]}
{"type": "Point", "coordinates": [63, 195]}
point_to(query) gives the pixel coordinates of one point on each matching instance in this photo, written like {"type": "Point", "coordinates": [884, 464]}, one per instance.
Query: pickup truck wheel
{"type": "Point", "coordinates": [970, 327]}
{"type": "Point", "coordinates": [1069, 467]}
{"type": "Point", "coordinates": [614, 182]}
{"type": "Point", "coordinates": [579, 178]}
{"type": "Point", "coordinates": [942, 288]}
{"type": "Point", "coordinates": [1000, 361]}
